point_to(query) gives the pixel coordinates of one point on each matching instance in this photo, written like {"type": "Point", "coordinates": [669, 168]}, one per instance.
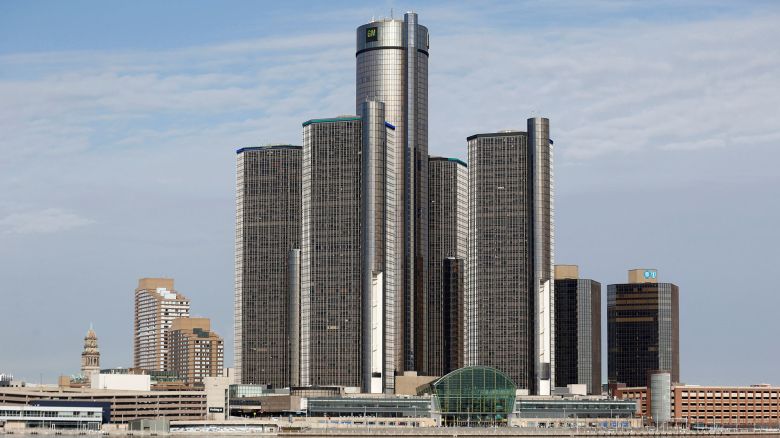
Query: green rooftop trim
{"type": "Point", "coordinates": [454, 160]}
{"type": "Point", "coordinates": [335, 119]}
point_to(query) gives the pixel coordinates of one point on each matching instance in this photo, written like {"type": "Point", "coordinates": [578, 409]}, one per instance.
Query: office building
{"type": "Point", "coordinates": [268, 228]}
{"type": "Point", "coordinates": [90, 356]}
{"type": "Point", "coordinates": [447, 250]}
{"type": "Point", "coordinates": [509, 303]}
{"type": "Point", "coordinates": [714, 406]}
{"type": "Point", "coordinates": [195, 352]}
{"type": "Point", "coordinates": [157, 304]}
{"type": "Point", "coordinates": [577, 329]}
{"type": "Point", "coordinates": [348, 277]}
{"type": "Point", "coordinates": [392, 67]}
{"type": "Point", "coordinates": [643, 328]}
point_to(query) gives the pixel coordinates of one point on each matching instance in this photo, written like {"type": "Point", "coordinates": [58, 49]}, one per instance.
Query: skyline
{"type": "Point", "coordinates": [205, 95]}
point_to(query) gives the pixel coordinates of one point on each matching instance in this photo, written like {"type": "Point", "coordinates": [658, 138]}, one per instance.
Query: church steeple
{"type": "Point", "coordinates": [90, 357]}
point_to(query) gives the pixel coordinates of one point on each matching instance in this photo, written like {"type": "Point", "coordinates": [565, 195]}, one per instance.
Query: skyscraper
{"type": "Point", "coordinates": [447, 250]}
{"type": "Point", "coordinates": [577, 329]}
{"type": "Point", "coordinates": [268, 227]}
{"type": "Point", "coordinates": [509, 304]}
{"type": "Point", "coordinates": [157, 304]}
{"type": "Point", "coordinates": [194, 351]}
{"type": "Point", "coordinates": [392, 67]}
{"type": "Point", "coordinates": [348, 255]}
{"type": "Point", "coordinates": [643, 328]}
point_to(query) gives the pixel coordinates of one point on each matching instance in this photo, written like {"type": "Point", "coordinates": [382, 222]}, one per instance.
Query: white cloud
{"type": "Point", "coordinates": [50, 220]}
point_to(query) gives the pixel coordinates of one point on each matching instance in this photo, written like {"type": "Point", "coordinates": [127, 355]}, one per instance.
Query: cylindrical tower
{"type": "Point", "coordinates": [660, 388]}
{"type": "Point", "coordinates": [543, 250]}
{"type": "Point", "coordinates": [392, 67]}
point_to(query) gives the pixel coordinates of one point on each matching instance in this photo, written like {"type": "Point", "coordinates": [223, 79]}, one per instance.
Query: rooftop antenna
{"type": "Point", "coordinates": [391, 13]}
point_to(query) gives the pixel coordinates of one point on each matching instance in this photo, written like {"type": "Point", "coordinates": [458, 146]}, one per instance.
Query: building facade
{"type": "Point", "coordinates": [348, 257]}
{"type": "Point", "coordinates": [577, 329]}
{"type": "Point", "coordinates": [157, 304]}
{"type": "Point", "coordinates": [447, 253]}
{"type": "Point", "coordinates": [392, 67]}
{"type": "Point", "coordinates": [194, 351]}
{"type": "Point", "coordinates": [643, 328]}
{"type": "Point", "coordinates": [510, 290]}
{"type": "Point", "coordinates": [268, 227]}
{"type": "Point", "coordinates": [90, 356]}
{"type": "Point", "coordinates": [125, 406]}
{"type": "Point", "coordinates": [715, 406]}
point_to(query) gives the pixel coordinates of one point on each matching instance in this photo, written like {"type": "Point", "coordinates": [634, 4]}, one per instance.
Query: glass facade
{"type": "Point", "coordinates": [447, 251]}
{"type": "Point", "coordinates": [578, 333]}
{"type": "Point", "coordinates": [268, 226]}
{"type": "Point", "coordinates": [642, 331]}
{"type": "Point", "coordinates": [330, 253]}
{"type": "Point", "coordinates": [474, 396]}
{"type": "Point", "coordinates": [392, 67]}
{"type": "Point", "coordinates": [509, 306]}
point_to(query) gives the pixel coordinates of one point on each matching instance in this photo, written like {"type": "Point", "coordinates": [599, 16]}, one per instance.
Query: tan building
{"type": "Point", "coordinates": [715, 406]}
{"type": "Point", "coordinates": [125, 405]}
{"type": "Point", "coordinates": [194, 351]}
{"type": "Point", "coordinates": [157, 304]}
{"type": "Point", "coordinates": [90, 357]}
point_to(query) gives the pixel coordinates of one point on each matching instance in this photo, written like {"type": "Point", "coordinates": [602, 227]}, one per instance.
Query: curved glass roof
{"type": "Point", "coordinates": [474, 395]}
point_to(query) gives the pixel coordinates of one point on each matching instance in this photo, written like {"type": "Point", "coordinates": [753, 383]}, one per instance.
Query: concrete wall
{"type": "Point", "coordinates": [127, 382]}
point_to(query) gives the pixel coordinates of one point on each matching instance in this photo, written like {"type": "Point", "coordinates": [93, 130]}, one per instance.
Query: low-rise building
{"type": "Point", "coordinates": [715, 406]}
{"type": "Point", "coordinates": [124, 405]}
{"type": "Point", "coordinates": [14, 417]}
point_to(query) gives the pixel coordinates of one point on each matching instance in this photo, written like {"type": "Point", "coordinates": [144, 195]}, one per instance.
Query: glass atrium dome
{"type": "Point", "coordinates": [473, 396]}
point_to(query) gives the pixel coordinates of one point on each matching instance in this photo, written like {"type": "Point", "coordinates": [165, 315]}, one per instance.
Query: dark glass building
{"type": "Point", "coordinates": [348, 254]}
{"type": "Point", "coordinates": [510, 289]}
{"type": "Point", "coordinates": [643, 328]}
{"type": "Point", "coordinates": [447, 249]}
{"type": "Point", "coordinates": [392, 67]}
{"type": "Point", "coordinates": [268, 227]}
{"type": "Point", "coordinates": [577, 329]}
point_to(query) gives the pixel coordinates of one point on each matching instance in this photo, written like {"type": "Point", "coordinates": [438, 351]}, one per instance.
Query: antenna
{"type": "Point", "coordinates": [391, 13]}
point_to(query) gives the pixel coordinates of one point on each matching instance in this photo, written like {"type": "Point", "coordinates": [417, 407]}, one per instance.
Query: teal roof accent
{"type": "Point", "coordinates": [332, 120]}
{"type": "Point", "coordinates": [454, 160]}
{"type": "Point", "coordinates": [267, 148]}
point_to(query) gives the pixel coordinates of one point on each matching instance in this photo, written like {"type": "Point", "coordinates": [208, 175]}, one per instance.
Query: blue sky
{"type": "Point", "coordinates": [119, 122]}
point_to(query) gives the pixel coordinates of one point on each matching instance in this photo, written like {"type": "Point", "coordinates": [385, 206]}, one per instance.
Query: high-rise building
{"type": "Point", "coordinates": [194, 351]}
{"type": "Point", "coordinates": [577, 329]}
{"type": "Point", "coordinates": [447, 250]}
{"type": "Point", "coordinates": [510, 290]}
{"type": "Point", "coordinates": [90, 356]}
{"type": "Point", "coordinates": [157, 304]}
{"type": "Point", "coordinates": [268, 227]}
{"type": "Point", "coordinates": [392, 67]}
{"type": "Point", "coordinates": [348, 267]}
{"type": "Point", "coordinates": [643, 328]}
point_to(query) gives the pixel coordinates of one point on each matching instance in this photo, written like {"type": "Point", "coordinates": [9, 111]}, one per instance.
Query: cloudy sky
{"type": "Point", "coordinates": [119, 123]}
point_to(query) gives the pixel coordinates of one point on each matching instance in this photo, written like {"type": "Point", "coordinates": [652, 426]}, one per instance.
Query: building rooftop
{"type": "Point", "coordinates": [455, 160]}
{"type": "Point", "coordinates": [269, 147]}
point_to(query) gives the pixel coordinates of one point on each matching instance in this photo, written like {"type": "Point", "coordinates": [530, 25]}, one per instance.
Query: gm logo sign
{"type": "Point", "coordinates": [651, 275]}
{"type": "Point", "coordinates": [372, 34]}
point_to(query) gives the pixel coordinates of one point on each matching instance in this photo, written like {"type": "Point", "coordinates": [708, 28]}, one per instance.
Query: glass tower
{"type": "Point", "coordinates": [268, 227]}
{"type": "Point", "coordinates": [348, 254]}
{"type": "Point", "coordinates": [577, 329]}
{"type": "Point", "coordinates": [392, 67]}
{"type": "Point", "coordinates": [643, 328]}
{"type": "Point", "coordinates": [447, 250]}
{"type": "Point", "coordinates": [510, 290]}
